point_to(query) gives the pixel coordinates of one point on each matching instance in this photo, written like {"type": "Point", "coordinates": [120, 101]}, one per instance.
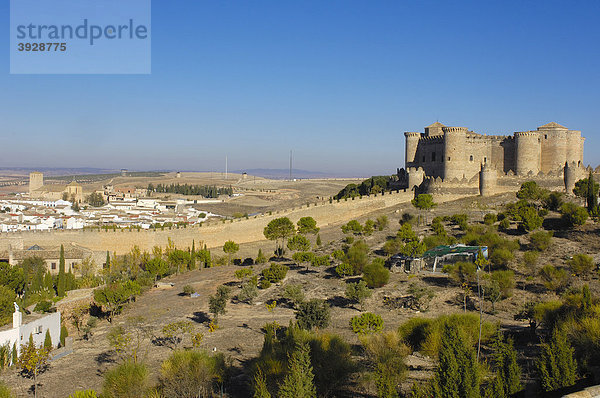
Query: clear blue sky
{"type": "Point", "coordinates": [336, 81]}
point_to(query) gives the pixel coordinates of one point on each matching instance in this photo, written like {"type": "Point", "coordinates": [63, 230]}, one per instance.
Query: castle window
{"type": "Point", "coordinates": [448, 158]}
{"type": "Point", "coordinates": [471, 158]}
{"type": "Point", "coordinates": [433, 156]}
{"type": "Point", "coordinates": [545, 136]}
{"type": "Point", "coordinates": [484, 160]}
{"type": "Point", "coordinates": [423, 158]}
{"type": "Point", "coordinates": [53, 265]}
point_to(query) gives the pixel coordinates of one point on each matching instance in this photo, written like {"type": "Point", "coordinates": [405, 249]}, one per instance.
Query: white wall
{"type": "Point", "coordinates": [20, 335]}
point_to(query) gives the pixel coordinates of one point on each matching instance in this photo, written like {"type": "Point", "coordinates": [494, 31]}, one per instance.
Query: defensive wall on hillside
{"type": "Point", "coordinates": [216, 233]}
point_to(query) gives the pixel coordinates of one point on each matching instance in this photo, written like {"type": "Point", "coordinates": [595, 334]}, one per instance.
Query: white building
{"type": "Point", "coordinates": [19, 333]}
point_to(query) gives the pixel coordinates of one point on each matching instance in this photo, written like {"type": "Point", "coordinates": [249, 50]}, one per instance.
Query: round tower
{"type": "Point", "coordinates": [412, 142]}
{"type": "Point", "coordinates": [487, 180]}
{"type": "Point", "coordinates": [570, 176]}
{"type": "Point", "coordinates": [527, 152]}
{"type": "Point", "coordinates": [574, 147]}
{"type": "Point", "coordinates": [455, 158]}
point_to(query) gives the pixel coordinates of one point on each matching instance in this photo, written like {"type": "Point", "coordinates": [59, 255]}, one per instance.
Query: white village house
{"type": "Point", "coordinates": [37, 326]}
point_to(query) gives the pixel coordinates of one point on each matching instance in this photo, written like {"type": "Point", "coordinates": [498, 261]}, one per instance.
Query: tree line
{"type": "Point", "coordinates": [207, 191]}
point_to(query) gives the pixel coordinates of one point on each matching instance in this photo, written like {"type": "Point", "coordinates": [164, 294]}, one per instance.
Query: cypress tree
{"type": "Point", "coordinates": [61, 284]}
{"type": "Point", "coordinates": [260, 258]}
{"type": "Point", "coordinates": [457, 374]}
{"type": "Point", "coordinates": [64, 333]}
{"type": "Point", "coordinates": [48, 341]}
{"type": "Point", "coordinates": [14, 354]}
{"type": "Point", "coordinates": [508, 372]}
{"type": "Point", "coordinates": [299, 381]}
{"type": "Point", "coordinates": [318, 239]}
{"type": "Point", "coordinates": [193, 256]}
{"type": "Point", "coordinates": [48, 282]}
{"type": "Point", "coordinates": [107, 265]}
{"type": "Point", "coordinates": [260, 385]}
{"type": "Point", "coordinates": [586, 299]}
{"type": "Point", "coordinates": [556, 366]}
{"type": "Point", "coordinates": [592, 199]}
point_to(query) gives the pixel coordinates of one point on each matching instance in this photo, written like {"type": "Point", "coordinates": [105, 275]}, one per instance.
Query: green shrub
{"type": "Point", "coordinates": [407, 218]}
{"type": "Point", "coordinates": [294, 293]}
{"type": "Point", "coordinates": [531, 257]}
{"type": "Point", "coordinates": [581, 264]}
{"type": "Point", "coordinates": [501, 257]}
{"type": "Point", "coordinates": [375, 274]}
{"type": "Point", "coordinates": [531, 191]}
{"type": "Point", "coordinates": [553, 201]}
{"type": "Point", "coordinates": [243, 273]}
{"type": "Point", "coordinates": [43, 306]}
{"type": "Point", "coordinates": [127, 380]}
{"type": "Point", "coordinates": [275, 273]}
{"type": "Point", "coordinates": [352, 227]}
{"type": "Point", "coordinates": [490, 219]}
{"type": "Point", "coordinates": [191, 373]}
{"type": "Point", "coordinates": [461, 271]}
{"type": "Point", "coordinates": [386, 357]}
{"type": "Point", "coordinates": [540, 240]}
{"type": "Point", "coordinates": [461, 221]}
{"type": "Point", "coordinates": [530, 219]}
{"type": "Point", "coordinates": [188, 290]}
{"type": "Point", "coordinates": [314, 313]}
{"type": "Point", "coordinates": [339, 255]}
{"type": "Point", "coordinates": [366, 323]}
{"type": "Point", "coordinates": [82, 394]}
{"type": "Point", "coordinates": [415, 331]}
{"type": "Point", "coordinates": [357, 256]}
{"type": "Point", "coordinates": [5, 391]}
{"type": "Point", "coordinates": [573, 215]}
{"type": "Point", "coordinates": [358, 292]}
{"type": "Point", "coordinates": [505, 280]}
{"type": "Point", "coordinates": [556, 365]}
{"type": "Point", "coordinates": [320, 261]}
{"type": "Point", "coordinates": [457, 373]}
{"type": "Point", "coordinates": [555, 279]}
{"type": "Point", "coordinates": [344, 269]}
{"type": "Point", "coordinates": [504, 224]}
{"type": "Point", "coordinates": [248, 292]}
{"type": "Point", "coordinates": [424, 335]}
{"type": "Point", "coordinates": [265, 284]}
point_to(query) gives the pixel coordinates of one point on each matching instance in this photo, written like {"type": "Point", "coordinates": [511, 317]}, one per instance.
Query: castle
{"type": "Point", "coordinates": [456, 159]}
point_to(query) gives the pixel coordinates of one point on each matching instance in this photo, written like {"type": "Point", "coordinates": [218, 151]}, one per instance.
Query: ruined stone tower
{"type": "Point", "coordinates": [487, 180]}
{"type": "Point", "coordinates": [36, 181]}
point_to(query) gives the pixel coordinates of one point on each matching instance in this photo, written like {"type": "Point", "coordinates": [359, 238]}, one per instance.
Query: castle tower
{"type": "Point", "coordinates": [527, 152]}
{"type": "Point", "coordinates": [570, 176]}
{"type": "Point", "coordinates": [36, 181]}
{"type": "Point", "coordinates": [455, 158]}
{"type": "Point", "coordinates": [410, 148]}
{"type": "Point", "coordinates": [488, 178]}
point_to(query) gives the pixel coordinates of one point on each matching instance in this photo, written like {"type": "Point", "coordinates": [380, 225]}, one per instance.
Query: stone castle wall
{"type": "Point", "coordinates": [213, 234]}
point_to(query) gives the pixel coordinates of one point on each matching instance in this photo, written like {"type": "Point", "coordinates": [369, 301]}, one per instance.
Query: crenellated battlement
{"type": "Point", "coordinates": [435, 138]}
{"type": "Point", "coordinates": [455, 129]}
{"type": "Point", "coordinates": [450, 155]}
{"type": "Point", "coordinates": [527, 134]}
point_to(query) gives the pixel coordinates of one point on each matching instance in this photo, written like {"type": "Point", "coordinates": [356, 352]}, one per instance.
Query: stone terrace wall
{"type": "Point", "coordinates": [214, 233]}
